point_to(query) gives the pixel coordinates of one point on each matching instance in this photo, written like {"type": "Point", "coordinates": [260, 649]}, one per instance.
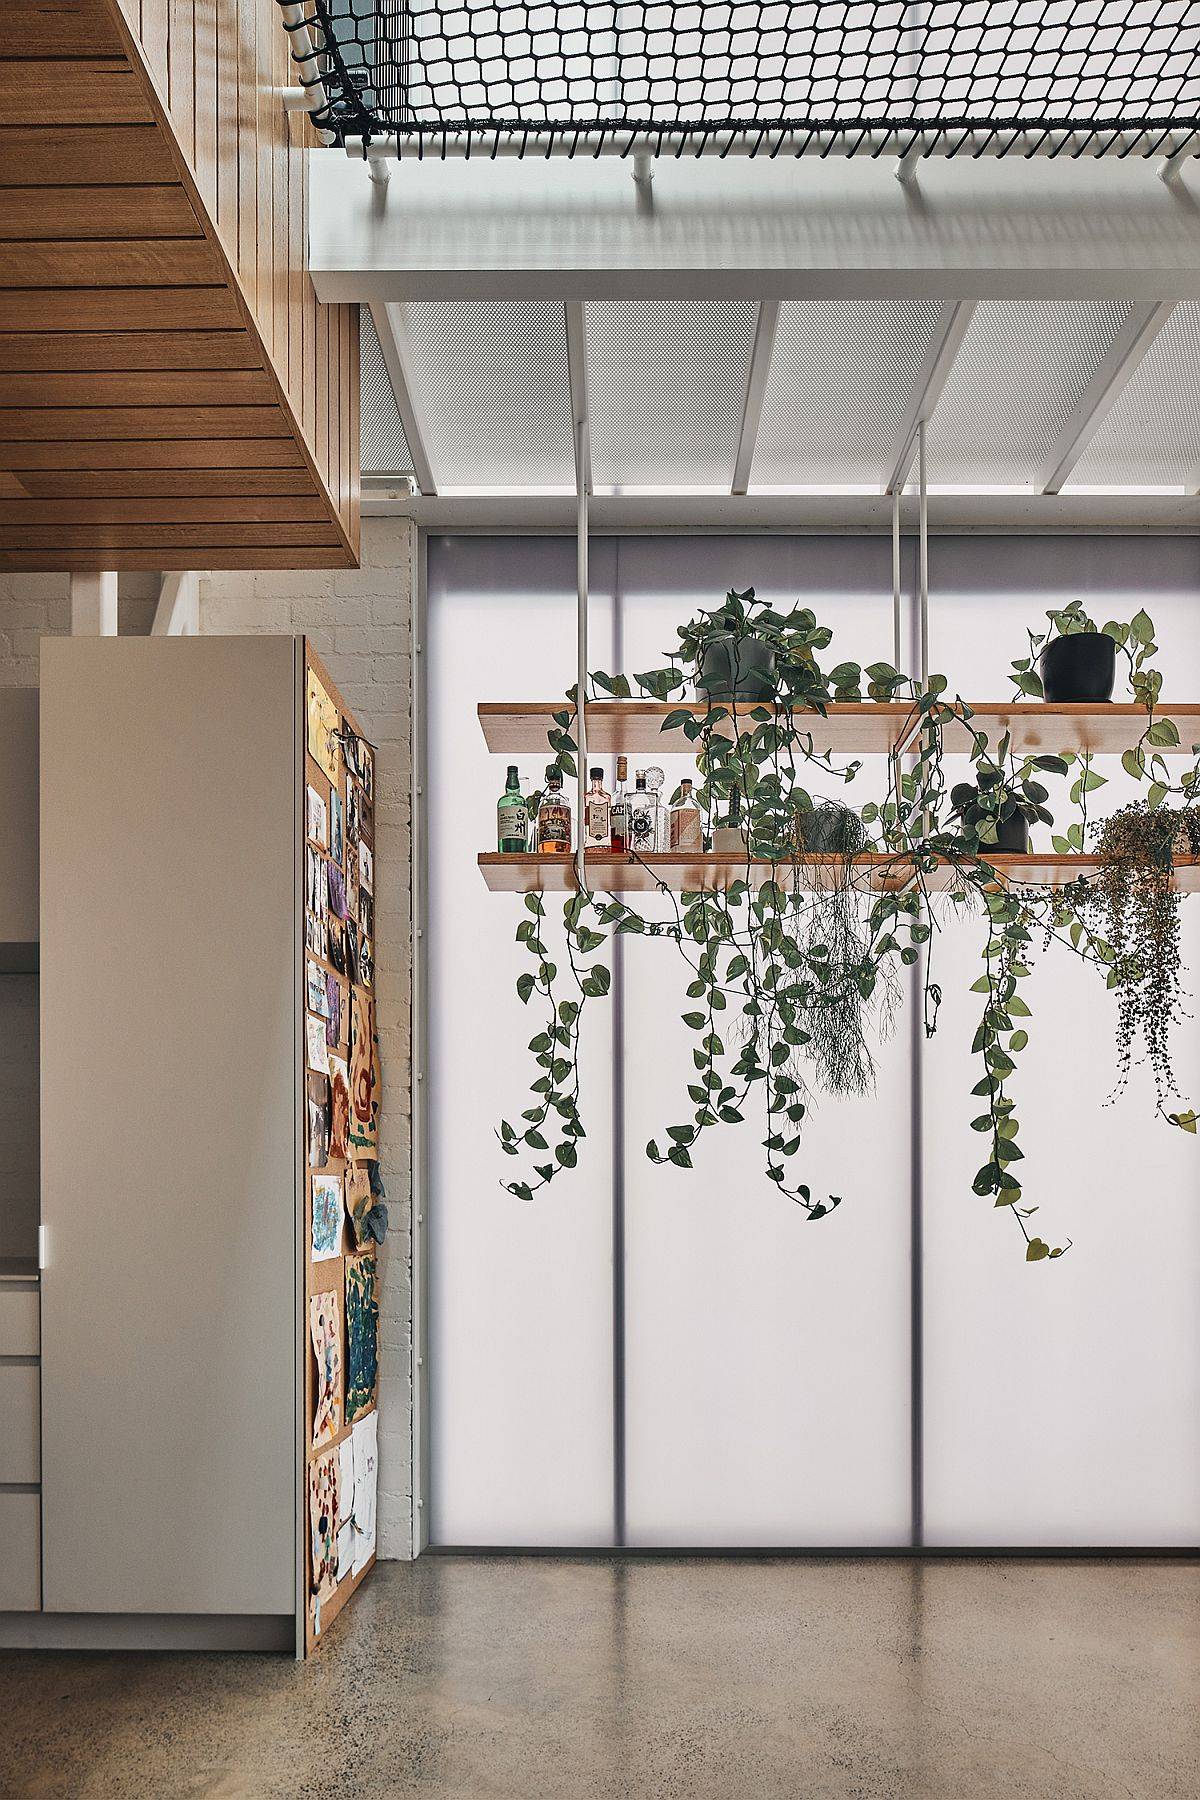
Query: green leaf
{"type": "Point", "coordinates": [1163, 734]}
{"type": "Point", "coordinates": [1133, 763]}
{"type": "Point", "coordinates": [1186, 1121]}
{"type": "Point", "coordinates": [1018, 1040]}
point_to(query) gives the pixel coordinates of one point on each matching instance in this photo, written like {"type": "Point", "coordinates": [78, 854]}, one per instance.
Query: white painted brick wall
{"type": "Point", "coordinates": [360, 622]}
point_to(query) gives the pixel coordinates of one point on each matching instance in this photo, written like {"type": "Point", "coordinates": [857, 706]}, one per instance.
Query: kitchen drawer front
{"type": "Point", "coordinates": [20, 1426]}
{"type": "Point", "coordinates": [19, 1331]}
{"type": "Point", "coordinates": [21, 1562]}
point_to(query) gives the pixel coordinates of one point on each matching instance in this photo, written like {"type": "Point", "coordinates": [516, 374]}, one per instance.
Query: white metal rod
{"type": "Point", "coordinates": [306, 65]}
{"type": "Point", "coordinates": [581, 571]}
{"type": "Point", "coordinates": [896, 646]}
{"type": "Point", "coordinates": [486, 142]}
{"type": "Point", "coordinates": [923, 584]}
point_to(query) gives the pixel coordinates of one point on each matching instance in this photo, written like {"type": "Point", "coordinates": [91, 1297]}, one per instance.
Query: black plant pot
{"type": "Point", "coordinates": [1012, 835]}
{"type": "Point", "coordinates": [830, 830]}
{"type": "Point", "coordinates": [736, 668]}
{"type": "Point", "coordinates": [1080, 667]}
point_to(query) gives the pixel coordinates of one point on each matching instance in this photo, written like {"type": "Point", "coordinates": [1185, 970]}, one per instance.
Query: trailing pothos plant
{"type": "Point", "coordinates": [793, 969]}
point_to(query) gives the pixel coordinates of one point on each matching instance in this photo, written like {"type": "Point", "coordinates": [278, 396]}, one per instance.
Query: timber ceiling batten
{"type": "Point", "coordinates": [171, 393]}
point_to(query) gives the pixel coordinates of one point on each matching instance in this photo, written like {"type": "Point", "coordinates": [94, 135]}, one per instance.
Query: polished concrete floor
{"type": "Point", "coordinates": [496, 1679]}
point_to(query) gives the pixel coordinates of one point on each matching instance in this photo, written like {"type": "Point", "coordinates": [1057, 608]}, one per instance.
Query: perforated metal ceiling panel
{"type": "Point", "coordinates": [1151, 438]}
{"type": "Point", "coordinates": [841, 375]}
{"type": "Point", "coordinates": [1019, 374]}
{"type": "Point", "coordinates": [384, 450]}
{"type": "Point", "coordinates": [491, 382]}
{"type": "Point", "coordinates": [667, 389]}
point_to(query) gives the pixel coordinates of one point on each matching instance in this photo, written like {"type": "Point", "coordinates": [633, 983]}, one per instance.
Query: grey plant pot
{"type": "Point", "coordinates": [736, 668]}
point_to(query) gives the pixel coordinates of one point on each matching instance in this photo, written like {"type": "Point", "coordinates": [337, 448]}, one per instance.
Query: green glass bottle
{"type": "Point", "coordinates": [512, 816]}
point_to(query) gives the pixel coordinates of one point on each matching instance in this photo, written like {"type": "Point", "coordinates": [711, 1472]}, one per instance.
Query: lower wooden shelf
{"type": "Point", "coordinates": [616, 874]}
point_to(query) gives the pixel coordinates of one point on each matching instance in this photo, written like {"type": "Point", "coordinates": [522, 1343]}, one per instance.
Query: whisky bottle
{"type": "Point", "coordinates": [643, 817]}
{"type": "Point", "coordinates": [685, 834]}
{"type": "Point", "coordinates": [554, 817]}
{"type": "Point", "coordinates": [512, 816]}
{"type": "Point", "coordinates": [620, 810]}
{"type": "Point", "coordinates": [597, 814]}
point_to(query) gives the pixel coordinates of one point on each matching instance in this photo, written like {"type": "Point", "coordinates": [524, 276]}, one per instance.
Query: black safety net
{"type": "Point", "coordinates": [1118, 77]}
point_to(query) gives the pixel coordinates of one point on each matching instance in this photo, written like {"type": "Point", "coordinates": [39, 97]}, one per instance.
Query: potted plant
{"type": "Point", "coordinates": [1077, 661]}
{"type": "Point", "coordinates": [829, 829]}
{"type": "Point", "coordinates": [997, 809]}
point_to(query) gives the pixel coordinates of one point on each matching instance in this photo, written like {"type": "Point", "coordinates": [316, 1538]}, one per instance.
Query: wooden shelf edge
{"type": "Point", "coordinates": [522, 874]}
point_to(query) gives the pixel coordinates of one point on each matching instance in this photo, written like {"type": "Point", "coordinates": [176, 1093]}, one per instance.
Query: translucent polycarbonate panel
{"type": "Point", "coordinates": [1152, 435]}
{"type": "Point", "coordinates": [520, 1294]}
{"type": "Point", "coordinates": [490, 377]}
{"type": "Point", "coordinates": [1020, 371]}
{"type": "Point", "coordinates": [841, 375]}
{"type": "Point", "coordinates": [1062, 1399]}
{"type": "Point", "coordinates": [766, 1357]}
{"type": "Point", "coordinates": [384, 447]}
{"type": "Point", "coordinates": [667, 390]}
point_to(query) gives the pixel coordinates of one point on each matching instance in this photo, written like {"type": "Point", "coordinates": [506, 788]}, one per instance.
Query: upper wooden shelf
{"type": "Point", "coordinates": [609, 874]}
{"type": "Point", "coordinates": [852, 727]}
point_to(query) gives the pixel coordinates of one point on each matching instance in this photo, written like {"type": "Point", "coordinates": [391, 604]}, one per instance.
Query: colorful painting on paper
{"type": "Point", "coordinates": [316, 1047]}
{"type": "Point", "coordinates": [322, 1518]}
{"type": "Point", "coordinates": [337, 841]}
{"type": "Point", "coordinates": [333, 1010]}
{"type": "Point", "coordinates": [365, 1438]}
{"type": "Point", "coordinates": [359, 1201]}
{"type": "Point", "coordinates": [318, 1121]}
{"type": "Point", "coordinates": [364, 1075]}
{"type": "Point", "coordinates": [362, 1335]}
{"type": "Point", "coordinates": [325, 1329]}
{"type": "Point", "coordinates": [339, 1122]}
{"type": "Point", "coordinates": [324, 724]}
{"type": "Point", "coordinates": [327, 1212]}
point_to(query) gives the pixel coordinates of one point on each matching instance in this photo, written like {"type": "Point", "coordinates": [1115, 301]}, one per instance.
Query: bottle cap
{"type": "Point", "coordinates": [512, 772]}
{"type": "Point", "coordinates": [597, 774]}
{"type": "Point", "coordinates": [622, 768]}
{"type": "Point", "coordinates": [553, 773]}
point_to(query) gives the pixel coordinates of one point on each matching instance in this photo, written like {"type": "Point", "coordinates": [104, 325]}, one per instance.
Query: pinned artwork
{"type": "Point", "coordinates": [318, 1108]}
{"type": "Point", "coordinates": [365, 1438]}
{"type": "Point", "coordinates": [322, 1518]}
{"type": "Point", "coordinates": [316, 882]}
{"type": "Point", "coordinates": [364, 1084]}
{"type": "Point", "coordinates": [339, 1130]}
{"type": "Point", "coordinates": [359, 1202]}
{"type": "Point", "coordinates": [362, 1335]}
{"type": "Point", "coordinates": [351, 929]}
{"type": "Point", "coordinates": [316, 997]}
{"type": "Point", "coordinates": [354, 805]}
{"type": "Point", "coordinates": [336, 888]}
{"type": "Point", "coordinates": [366, 962]}
{"type": "Point", "coordinates": [336, 946]}
{"type": "Point", "coordinates": [366, 768]}
{"type": "Point", "coordinates": [345, 1539]}
{"type": "Point", "coordinates": [366, 915]}
{"type": "Point", "coordinates": [316, 817]}
{"type": "Point", "coordinates": [325, 1330]}
{"type": "Point", "coordinates": [366, 820]}
{"type": "Point", "coordinates": [316, 1047]}
{"type": "Point", "coordinates": [337, 842]}
{"type": "Point", "coordinates": [333, 1010]}
{"type": "Point", "coordinates": [327, 1213]}
{"type": "Point", "coordinates": [345, 1481]}
{"type": "Point", "coordinates": [366, 868]}
{"type": "Point", "coordinates": [324, 724]}
{"type": "Point", "coordinates": [316, 938]}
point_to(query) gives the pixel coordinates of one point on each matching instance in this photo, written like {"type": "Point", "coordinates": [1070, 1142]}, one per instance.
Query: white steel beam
{"type": "Point", "coordinates": [94, 603]}
{"type": "Point", "coordinates": [756, 387]}
{"type": "Point", "coordinates": [1130, 345]}
{"type": "Point", "coordinates": [393, 341]}
{"type": "Point", "coordinates": [944, 345]}
{"type": "Point", "coordinates": [178, 611]}
{"type": "Point", "coordinates": [762, 230]}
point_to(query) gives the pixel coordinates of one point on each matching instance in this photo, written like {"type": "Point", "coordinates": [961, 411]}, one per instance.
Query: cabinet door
{"type": "Point", "coordinates": [170, 1104]}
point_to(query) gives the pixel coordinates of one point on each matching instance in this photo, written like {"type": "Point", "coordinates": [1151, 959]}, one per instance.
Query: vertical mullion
{"type": "Point", "coordinates": [618, 1146]}
{"type": "Point", "coordinates": [917, 649]}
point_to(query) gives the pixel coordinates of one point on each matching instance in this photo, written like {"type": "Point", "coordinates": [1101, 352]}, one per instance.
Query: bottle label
{"type": "Point", "coordinates": [554, 825]}
{"type": "Point", "coordinates": [685, 829]}
{"type": "Point", "coordinates": [512, 822]}
{"type": "Point", "coordinates": [596, 818]}
{"type": "Point", "coordinates": [641, 826]}
{"type": "Point", "coordinates": [620, 824]}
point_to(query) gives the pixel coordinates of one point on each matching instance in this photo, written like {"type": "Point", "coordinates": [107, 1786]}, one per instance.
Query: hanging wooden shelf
{"type": "Point", "coordinates": [609, 874]}
{"type": "Point", "coordinates": [851, 727]}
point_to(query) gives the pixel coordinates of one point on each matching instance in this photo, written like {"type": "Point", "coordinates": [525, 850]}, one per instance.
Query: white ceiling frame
{"type": "Point", "coordinates": [393, 342]}
{"type": "Point", "coordinates": [756, 388]}
{"type": "Point", "coordinates": [953, 323]}
{"type": "Point", "coordinates": [581, 433]}
{"type": "Point", "coordinates": [178, 611]}
{"type": "Point", "coordinates": [1124, 357]}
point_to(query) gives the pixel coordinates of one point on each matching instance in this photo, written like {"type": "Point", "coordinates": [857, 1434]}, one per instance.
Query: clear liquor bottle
{"type": "Point", "coordinates": [512, 816]}
{"type": "Point", "coordinates": [643, 817]}
{"type": "Point", "coordinates": [554, 817]}
{"type": "Point", "coordinates": [597, 813]}
{"type": "Point", "coordinates": [685, 832]}
{"type": "Point", "coordinates": [619, 818]}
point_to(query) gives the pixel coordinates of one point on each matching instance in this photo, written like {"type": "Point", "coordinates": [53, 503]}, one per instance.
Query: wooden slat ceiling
{"type": "Point", "coordinates": [171, 394]}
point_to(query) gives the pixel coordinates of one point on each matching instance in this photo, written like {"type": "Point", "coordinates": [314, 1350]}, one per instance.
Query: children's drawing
{"type": "Point", "coordinates": [362, 1333]}
{"type": "Point", "coordinates": [327, 1213]}
{"type": "Point", "coordinates": [325, 1330]}
{"type": "Point", "coordinates": [324, 723]}
{"type": "Point", "coordinates": [339, 1118]}
{"type": "Point", "coordinates": [322, 1517]}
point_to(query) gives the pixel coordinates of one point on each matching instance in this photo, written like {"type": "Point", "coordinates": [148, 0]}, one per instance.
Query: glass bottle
{"type": "Point", "coordinates": [620, 810]}
{"type": "Point", "coordinates": [655, 782]}
{"type": "Point", "coordinates": [643, 817]}
{"type": "Point", "coordinates": [597, 814]}
{"type": "Point", "coordinates": [685, 833]}
{"type": "Point", "coordinates": [512, 816]}
{"type": "Point", "coordinates": [554, 817]}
